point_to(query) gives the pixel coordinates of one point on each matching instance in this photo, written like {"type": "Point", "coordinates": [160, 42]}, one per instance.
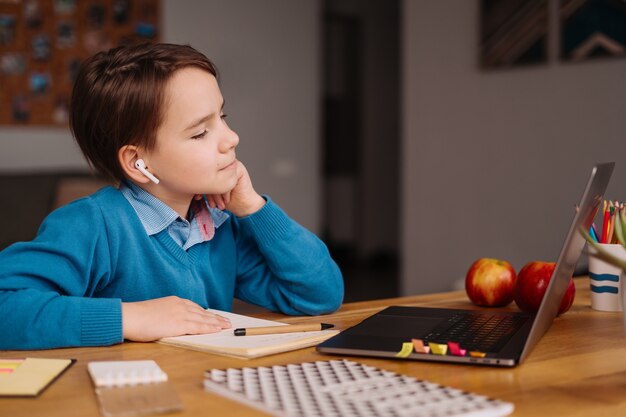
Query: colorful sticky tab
{"type": "Point", "coordinates": [437, 348]}
{"type": "Point", "coordinates": [475, 354]}
{"type": "Point", "coordinates": [407, 349]}
{"type": "Point", "coordinates": [418, 345]}
{"type": "Point", "coordinates": [455, 349]}
{"type": "Point", "coordinates": [7, 366]}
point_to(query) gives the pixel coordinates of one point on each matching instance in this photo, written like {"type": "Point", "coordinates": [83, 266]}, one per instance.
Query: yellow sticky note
{"type": "Point", "coordinates": [31, 376]}
{"type": "Point", "coordinates": [407, 349]}
{"type": "Point", "coordinates": [475, 354]}
{"type": "Point", "coordinates": [438, 349]}
{"type": "Point", "coordinates": [418, 345]}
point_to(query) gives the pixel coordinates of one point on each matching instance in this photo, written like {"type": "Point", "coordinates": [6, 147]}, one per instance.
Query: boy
{"type": "Point", "coordinates": [184, 231]}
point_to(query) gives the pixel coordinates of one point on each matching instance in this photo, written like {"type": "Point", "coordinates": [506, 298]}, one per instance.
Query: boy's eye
{"type": "Point", "coordinates": [200, 135]}
{"type": "Point", "coordinates": [223, 116]}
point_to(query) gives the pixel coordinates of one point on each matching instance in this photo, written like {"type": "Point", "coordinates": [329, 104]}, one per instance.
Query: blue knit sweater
{"type": "Point", "coordinates": [65, 288]}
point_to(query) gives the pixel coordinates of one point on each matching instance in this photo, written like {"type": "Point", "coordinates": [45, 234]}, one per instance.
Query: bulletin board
{"type": "Point", "coordinates": [42, 43]}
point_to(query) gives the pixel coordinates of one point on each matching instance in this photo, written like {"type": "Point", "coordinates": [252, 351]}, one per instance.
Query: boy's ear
{"type": "Point", "coordinates": [127, 156]}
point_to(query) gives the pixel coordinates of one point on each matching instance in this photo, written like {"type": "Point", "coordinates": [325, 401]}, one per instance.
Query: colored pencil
{"type": "Point", "coordinates": [609, 238]}
{"type": "Point", "coordinates": [594, 232]}
{"type": "Point", "coordinates": [605, 223]}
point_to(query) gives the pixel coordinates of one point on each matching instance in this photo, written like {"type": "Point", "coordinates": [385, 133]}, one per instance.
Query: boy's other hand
{"type": "Point", "coordinates": [242, 200]}
{"type": "Point", "coordinates": [146, 321]}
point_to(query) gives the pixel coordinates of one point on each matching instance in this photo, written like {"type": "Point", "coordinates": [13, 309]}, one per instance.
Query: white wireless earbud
{"type": "Point", "coordinates": [141, 166]}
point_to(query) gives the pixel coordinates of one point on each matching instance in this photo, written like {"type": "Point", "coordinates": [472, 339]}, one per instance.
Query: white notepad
{"type": "Point", "coordinates": [226, 343]}
{"type": "Point", "coordinates": [132, 388]}
{"type": "Point", "coordinates": [122, 373]}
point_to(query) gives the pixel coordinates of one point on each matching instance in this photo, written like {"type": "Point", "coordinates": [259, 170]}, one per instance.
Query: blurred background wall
{"type": "Point", "coordinates": [373, 124]}
{"type": "Point", "coordinates": [494, 161]}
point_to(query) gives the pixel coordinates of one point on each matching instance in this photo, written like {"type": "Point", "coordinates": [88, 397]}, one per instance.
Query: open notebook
{"type": "Point", "coordinates": [226, 343]}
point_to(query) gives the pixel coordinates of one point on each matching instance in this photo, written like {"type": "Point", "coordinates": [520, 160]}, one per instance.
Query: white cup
{"type": "Point", "coordinates": [606, 280]}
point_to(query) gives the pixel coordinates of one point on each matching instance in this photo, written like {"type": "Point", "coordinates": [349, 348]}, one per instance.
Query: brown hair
{"type": "Point", "coordinates": [118, 99]}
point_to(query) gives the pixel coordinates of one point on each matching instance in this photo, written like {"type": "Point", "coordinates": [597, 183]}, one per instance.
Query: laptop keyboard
{"type": "Point", "coordinates": [477, 331]}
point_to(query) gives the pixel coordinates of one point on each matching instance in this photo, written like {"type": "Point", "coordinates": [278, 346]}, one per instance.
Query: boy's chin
{"type": "Point", "coordinates": [217, 192]}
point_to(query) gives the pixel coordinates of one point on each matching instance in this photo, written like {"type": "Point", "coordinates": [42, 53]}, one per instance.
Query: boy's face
{"type": "Point", "coordinates": [195, 148]}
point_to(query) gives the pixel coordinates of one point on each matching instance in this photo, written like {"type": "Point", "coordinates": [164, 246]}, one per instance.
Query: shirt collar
{"type": "Point", "coordinates": [155, 215]}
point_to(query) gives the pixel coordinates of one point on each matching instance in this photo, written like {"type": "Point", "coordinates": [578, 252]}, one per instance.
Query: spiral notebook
{"type": "Point", "coordinates": [347, 389]}
{"type": "Point", "coordinates": [226, 343]}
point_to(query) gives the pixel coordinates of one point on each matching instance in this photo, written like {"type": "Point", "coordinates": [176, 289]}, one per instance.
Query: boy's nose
{"type": "Point", "coordinates": [230, 140]}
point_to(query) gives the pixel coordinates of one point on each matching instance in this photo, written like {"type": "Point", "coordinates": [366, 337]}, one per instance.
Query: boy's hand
{"type": "Point", "coordinates": [241, 200]}
{"type": "Point", "coordinates": [146, 321]}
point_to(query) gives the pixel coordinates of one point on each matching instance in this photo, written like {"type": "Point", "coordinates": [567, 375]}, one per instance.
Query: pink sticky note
{"type": "Point", "coordinates": [455, 349]}
{"type": "Point", "coordinates": [419, 347]}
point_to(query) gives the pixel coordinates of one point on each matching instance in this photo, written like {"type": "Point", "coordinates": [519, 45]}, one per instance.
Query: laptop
{"type": "Point", "coordinates": [505, 338]}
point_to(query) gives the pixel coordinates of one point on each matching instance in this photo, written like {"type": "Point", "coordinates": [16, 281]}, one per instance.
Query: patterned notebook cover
{"type": "Point", "coordinates": [344, 388]}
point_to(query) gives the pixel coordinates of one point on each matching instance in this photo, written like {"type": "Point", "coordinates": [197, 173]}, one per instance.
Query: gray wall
{"type": "Point", "coordinates": [493, 162]}
{"type": "Point", "coordinates": [28, 149]}
{"type": "Point", "coordinates": [268, 55]}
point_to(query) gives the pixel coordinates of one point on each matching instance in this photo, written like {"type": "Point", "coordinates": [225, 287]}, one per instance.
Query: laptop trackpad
{"type": "Point", "coordinates": [396, 326]}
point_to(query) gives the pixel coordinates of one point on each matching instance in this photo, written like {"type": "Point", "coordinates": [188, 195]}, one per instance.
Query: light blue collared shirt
{"type": "Point", "coordinates": [156, 216]}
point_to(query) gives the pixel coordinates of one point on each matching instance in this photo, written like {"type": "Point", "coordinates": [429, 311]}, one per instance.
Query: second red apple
{"type": "Point", "coordinates": [532, 283]}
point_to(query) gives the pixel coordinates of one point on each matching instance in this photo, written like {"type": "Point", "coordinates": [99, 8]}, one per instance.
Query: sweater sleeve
{"type": "Point", "coordinates": [284, 267]}
{"type": "Point", "coordinates": [46, 284]}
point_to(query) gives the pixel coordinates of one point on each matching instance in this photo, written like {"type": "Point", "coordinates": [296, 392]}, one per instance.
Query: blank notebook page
{"type": "Point", "coordinates": [248, 346]}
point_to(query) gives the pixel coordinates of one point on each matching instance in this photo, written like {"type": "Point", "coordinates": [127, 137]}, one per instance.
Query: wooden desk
{"type": "Point", "coordinates": [577, 369]}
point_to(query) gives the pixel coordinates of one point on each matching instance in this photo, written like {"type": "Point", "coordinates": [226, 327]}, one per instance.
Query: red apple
{"type": "Point", "coordinates": [489, 282]}
{"type": "Point", "coordinates": [531, 285]}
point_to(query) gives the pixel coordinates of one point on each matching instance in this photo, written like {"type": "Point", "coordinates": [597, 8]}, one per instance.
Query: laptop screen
{"type": "Point", "coordinates": [572, 248]}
